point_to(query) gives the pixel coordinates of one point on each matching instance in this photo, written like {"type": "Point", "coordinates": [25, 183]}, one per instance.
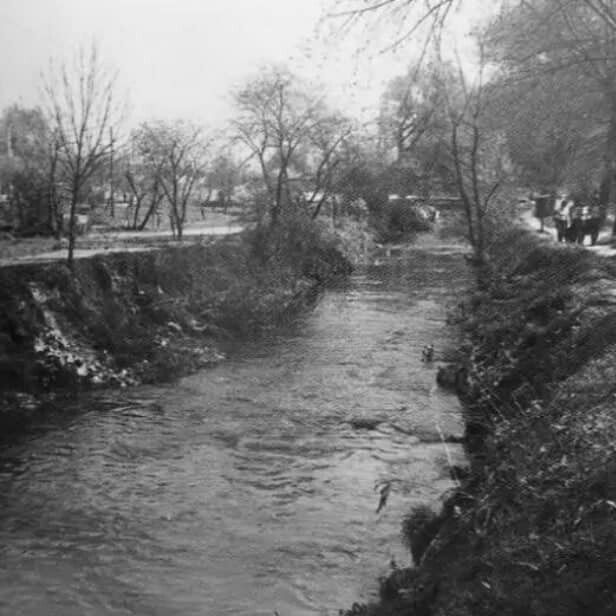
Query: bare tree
{"type": "Point", "coordinates": [143, 177]}
{"type": "Point", "coordinates": [82, 108]}
{"type": "Point", "coordinates": [325, 143]}
{"type": "Point", "coordinates": [291, 134]}
{"type": "Point", "coordinates": [177, 152]}
{"type": "Point", "coordinates": [478, 152]}
{"type": "Point", "coordinates": [144, 188]}
{"type": "Point", "coordinates": [274, 117]}
{"type": "Point", "coordinates": [54, 209]}
{"type": "Point", "coordinates": [412, 19]}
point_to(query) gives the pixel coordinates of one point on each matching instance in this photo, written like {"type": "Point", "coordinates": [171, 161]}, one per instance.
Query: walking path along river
{"type": "Point", "coordinates": [247, 488]}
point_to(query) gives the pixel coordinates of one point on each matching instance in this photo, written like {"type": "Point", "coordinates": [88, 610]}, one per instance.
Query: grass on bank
{"type": "Point", "coordinates": [127, 317]}
{"type": "Point", "coordinates": [532, 531]}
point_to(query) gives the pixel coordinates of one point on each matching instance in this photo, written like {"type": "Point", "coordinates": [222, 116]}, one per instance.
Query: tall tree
{"type": "Point", "coordinates": [81, 108]}
{"type": "Point", "coordinates": [142, 173]}
{"type": "Point", "coordinates": [291, 134]}
{"type": "Point", "coordinates": [478, 148]}
{"type": "Point", "coordinates": [414, 123]}
{"type": "Point", "coordinates": [177, 153]}
{"type": "Point", "coordinates": [572, 43]}
{"type": "Point", "coordinates": [25, 161]}
{"type": "Point", "coordinates": [272, 122]}
{"type": "Point", "coordinates": [223, 177]}
{"type": "Point", "coordinates": [321, 156]}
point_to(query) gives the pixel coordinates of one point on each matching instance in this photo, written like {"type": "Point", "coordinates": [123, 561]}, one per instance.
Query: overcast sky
{"type": "Point", "coordinates": [181, 58]}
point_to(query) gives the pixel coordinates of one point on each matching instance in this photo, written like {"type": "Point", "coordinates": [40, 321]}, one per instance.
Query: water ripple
{"type": "Point", "coordinates": [246, 488]}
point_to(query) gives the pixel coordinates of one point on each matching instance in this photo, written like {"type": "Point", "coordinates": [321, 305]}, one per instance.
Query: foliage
{"type": "Point", "coordinates": [414, 124]}
{"type": "Point", "coordinates": [128, 317]}
{"type": "Point", "coordinates": [26, 166]}
{"type": "Point", "coordinates": [171, 159]}
{"type": "Point", "coordinates": [399, 219]}
{"type": "Point", "coordinates": [298, 244]}
{"type": "Point", "coordinates": [419, 528]}
{"type": "Point", "coordinates": [447, 133]}
{"type": "Point", "coordinates": [293, 138]}
{"type": "Point", "coordinates": [557, 61]}
{"type": "Point", "coordinates": [363, 173]}
{"type": "Point", "coordinates": [222, 176]}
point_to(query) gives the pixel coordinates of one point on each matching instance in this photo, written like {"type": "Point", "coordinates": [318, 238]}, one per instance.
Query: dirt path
{"type": "Point", "coordinates": [100, 242]}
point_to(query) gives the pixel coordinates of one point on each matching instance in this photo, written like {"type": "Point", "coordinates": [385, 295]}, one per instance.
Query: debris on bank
{"type": "Point", "coordinates": [126, 318]}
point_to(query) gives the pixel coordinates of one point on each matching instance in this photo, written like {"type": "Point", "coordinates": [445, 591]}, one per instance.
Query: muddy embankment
{"type": "Point", "coordinates": [125, 318]}
{"type": "Point", "coordinates": [531, 527]}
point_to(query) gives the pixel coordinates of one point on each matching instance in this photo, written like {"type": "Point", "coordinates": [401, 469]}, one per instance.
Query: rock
{"type": "Point", "coordinates": [365, 423]}
{"type": "Point", "coordinates": [453, 377]}
{"type": "Point", "coordinates": [459, 473]}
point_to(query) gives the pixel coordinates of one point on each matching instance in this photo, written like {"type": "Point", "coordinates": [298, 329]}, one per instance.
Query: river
{"type": "Point", "coordinates": [248, 488]}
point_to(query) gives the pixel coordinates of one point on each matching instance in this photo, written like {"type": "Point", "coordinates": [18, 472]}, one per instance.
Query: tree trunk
{"type": "Point", "coordinates": [274, 210]}
{"type": "Point", "coordinates": [52, 219]}
{"type": "Point", "coordinates": [480, 235]}
{"type": "Point", "coordinates": [71, 228]}
{"type": "Point", "coordinates": [148, 214]}
{"type": "Point", "coordinates": [461, 187]}
{"type": "Point", "coordinates": [281, 185]}
{"type": "Point", "coordinates": [606, 184]}
{"type": "Point", "coordinates": [172, 224]}
{"type": "Point", "coordinates": [179, 223]}
{"type": "Point", "coordinates": [138, 201]}
{"type": "Point", "coordinates": [317, 209]}
{"type": "Point", "coordinates": [55, 218]}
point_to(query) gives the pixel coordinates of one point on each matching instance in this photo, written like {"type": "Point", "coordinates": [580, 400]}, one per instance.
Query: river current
{"type": "Point", "coordinates": [249, 488]}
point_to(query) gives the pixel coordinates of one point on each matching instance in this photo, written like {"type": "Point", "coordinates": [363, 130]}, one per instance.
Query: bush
{"type": "Point", "coordinates": [298, 244]}
{"type": "Point", "coordinates": [399, 219]}
{"type": "Point", "coordinates": [419, 529]}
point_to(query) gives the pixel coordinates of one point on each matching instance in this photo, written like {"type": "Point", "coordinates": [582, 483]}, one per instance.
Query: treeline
{"type": "Point", "coordinates": [537, 110]}
{"type": "Point", "coordinates": [285, 153]}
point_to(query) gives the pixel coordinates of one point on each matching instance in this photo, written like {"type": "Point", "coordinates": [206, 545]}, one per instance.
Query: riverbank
{"type": "Point", "coordinates": [530, 529]}
{"type": "Point", "coordinates": [140, 317]}
{"type": "Point", "coordinates": [248, 487]}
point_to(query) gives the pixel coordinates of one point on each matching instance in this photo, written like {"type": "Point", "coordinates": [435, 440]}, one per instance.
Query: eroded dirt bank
{"type": "Point", "coordinates": [531, 528]}
{"type": "Point", "coordinates": [131, 317]}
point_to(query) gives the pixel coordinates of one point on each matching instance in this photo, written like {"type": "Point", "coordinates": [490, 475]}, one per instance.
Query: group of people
{"type": "Point", "coordinates": [575, 216]}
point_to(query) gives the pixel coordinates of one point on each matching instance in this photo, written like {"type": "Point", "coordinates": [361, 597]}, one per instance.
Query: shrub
{"type": "Point", "coordinates": [297, 243]}
{"type": "Point", "coordinates": [398, 219]}
{"type": "Point", "coordinates": [419, 528]}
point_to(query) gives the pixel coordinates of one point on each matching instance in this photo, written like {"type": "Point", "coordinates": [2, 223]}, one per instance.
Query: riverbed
{"type": "Point", "coordinates": [248, 488]}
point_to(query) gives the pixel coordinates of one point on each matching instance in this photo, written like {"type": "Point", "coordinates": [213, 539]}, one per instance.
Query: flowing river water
{"type": "Point", "coordinates": [248, 488]}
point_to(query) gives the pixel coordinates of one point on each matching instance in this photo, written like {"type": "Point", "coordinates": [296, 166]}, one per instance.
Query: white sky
{"type": "Point", "coordinates": [180, 58]}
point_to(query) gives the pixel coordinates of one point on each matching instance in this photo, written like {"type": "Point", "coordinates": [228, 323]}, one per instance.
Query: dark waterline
{"type": "Point", "coordinates": [243, 489]}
